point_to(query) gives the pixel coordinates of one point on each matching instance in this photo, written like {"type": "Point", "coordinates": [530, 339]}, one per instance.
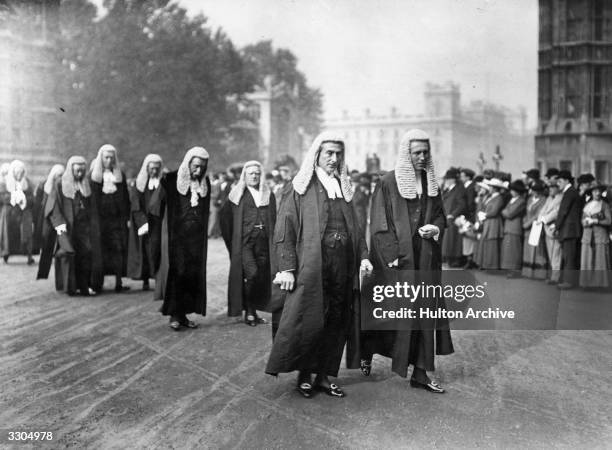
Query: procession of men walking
{"type": "Point", "coordinates": [298, 246]}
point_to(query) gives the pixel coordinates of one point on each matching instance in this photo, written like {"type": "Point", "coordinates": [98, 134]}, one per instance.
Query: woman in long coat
{"type": "Point", "coordinates": [44, 234]}
{"type": "Point", "coordinates": [595, 253]}
{"type": "Point", "coordinates": [489, 250]}
{"type": "Point", "coordinates": [534, 257]}
{"type": "Point", "coordinates": [512, 243]}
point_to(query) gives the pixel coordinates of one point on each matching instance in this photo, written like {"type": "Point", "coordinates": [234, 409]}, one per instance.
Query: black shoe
{"type": "Point", "coordinates": [250, 321]}
{"type": "Point", "coordinates": [31, 261]}
{"type": "Point", "coordinates": [174, 324]}
{"type": "Point", "coordinates": [188, 323]}
{"type": "Point", "coordinates": [145, 286]}
{"type": "Point", "coordinates": [432, 386]}
{"type": "Point", "coordinates": [366, 367]}
{"type": "Point", "coordinates": [333, 390]}
{"type": "Point", "coordinates": [305, 389]}
{"type": "Point", "coordinates": [260, 320]}
{"type": "Point", "coordinates": [121, 288]}
{"type": "Point", "coordinates": [5, 258]}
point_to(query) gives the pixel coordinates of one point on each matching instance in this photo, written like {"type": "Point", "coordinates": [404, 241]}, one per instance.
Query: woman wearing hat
{"type": "Point", "coordinates": [595, 252]}
{"type": "Point", "coordinates": [534, 257]}
{"type": "Point", "coordinates": [512, 243]}
{"type": "Point", "coordinates": [491, 219]}
{"type": "Point", "coordinates": [547, 217]}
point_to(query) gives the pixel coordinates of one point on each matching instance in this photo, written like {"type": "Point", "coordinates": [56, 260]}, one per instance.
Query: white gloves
{"type": "Point", "coordinates": [143, 229]}
{"type": "Point", "coordinates": [482, 216]}
{"type": "Point", "coordinates": [61, 229]}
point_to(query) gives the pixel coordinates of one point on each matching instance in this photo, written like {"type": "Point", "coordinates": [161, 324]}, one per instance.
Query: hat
{"type": "Point", "coordinates": [599, 186]}
{"type": "Point", "coordinates": [533, 173]}
{"type": "Point", "coordinates": [496, 182]}
{"type": "Point", "coordinates": [451, 173]}
{"type": "Point", "coordinates": [538, 186]}
{"type": "Point", "coordinates": [468, 172]}
{"type": "Point", "coordinates": [585, 178]}
{"type": "Point", "coordinates": [566, 175]}
{"type": "Point", "coordinates": [518, 186]}
{"type": "Point", "coordinates": [478, 178]}
{"type": "Point", "coordinates": [552, 172]}
{"type": "Point", "coordinates": [488, 174]}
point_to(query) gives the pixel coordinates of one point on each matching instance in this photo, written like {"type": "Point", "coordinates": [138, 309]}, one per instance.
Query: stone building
{"type": "Point", "coordinates": [275, 115]}
{"type": "Point", "coordinates": [575, 87]}
{"type": "Point", "coordinates": [28, 64]}
{"type": "Point", "coordinates": [480, 135]}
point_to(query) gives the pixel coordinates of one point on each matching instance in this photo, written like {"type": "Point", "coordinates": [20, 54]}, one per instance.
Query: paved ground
{"type": "Point", "coordinates": [106, 372]}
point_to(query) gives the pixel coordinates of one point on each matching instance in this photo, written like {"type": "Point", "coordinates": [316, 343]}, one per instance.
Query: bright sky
{"type": "Point", "coordinates": [380, 53]}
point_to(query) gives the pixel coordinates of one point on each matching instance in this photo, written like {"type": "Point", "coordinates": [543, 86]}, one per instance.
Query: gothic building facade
{"type": "Point", "coordinates": [28, 65]}
{"type": "Point", "coordinates": [575, 87]}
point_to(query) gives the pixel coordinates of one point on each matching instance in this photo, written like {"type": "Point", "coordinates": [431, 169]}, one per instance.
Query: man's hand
{"type": "Point", "coordinates": [395, 263]}
{"type": "Point", "coordinates": [429, 232]}
{"type": "Point", "coordinates": [143, 229]}
{"type": "Point", "coordinates": [366, 265]}
{"type": "Point", "coordinates": [61, 229]}
{"type": "Point", "coordinates": [286, 280]}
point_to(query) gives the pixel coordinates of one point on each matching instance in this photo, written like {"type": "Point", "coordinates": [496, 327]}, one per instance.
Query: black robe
{"type": "Point", "coordinates": [144, 252]}
{"type": "Point", "coordinates": [81, 239]}
{"type": "Point", "coordinates": [394, 224]}
{"type": "Point", "coordinates": [40, 198]}
{"type": "Point", "coordinates": [44, 235]}
{"type": "Point", "coordinates": [231, 220]}
{"type": "Point", "coordinates": [299, 230]}
{"type": "Point", "coordinates": [454, 204]}
{"type": "Point", "coordinates": [112, 211]}
{"type": "Point", "coordinates": [20, 224]}
{"type": "Point", "coordinates": [182, 250]}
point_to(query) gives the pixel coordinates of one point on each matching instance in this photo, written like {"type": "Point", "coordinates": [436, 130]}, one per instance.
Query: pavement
{"type": "Point", "coordinates": [107, 372]}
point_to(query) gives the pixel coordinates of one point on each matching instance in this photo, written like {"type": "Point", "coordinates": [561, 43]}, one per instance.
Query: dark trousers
{"type": "Point", "coordinates": [336, 306]}
{"type": "Point", "coordinates": [255, 266]}
{"type": "Point", "coordinates": [570, 255]}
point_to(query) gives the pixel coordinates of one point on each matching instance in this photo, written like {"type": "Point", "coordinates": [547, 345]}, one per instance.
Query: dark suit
{"type": "Point", "coordinates": [569, 232]}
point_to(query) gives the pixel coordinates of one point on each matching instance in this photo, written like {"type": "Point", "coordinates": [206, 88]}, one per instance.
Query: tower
{"type": "Point", "coordinates": [575, 87]}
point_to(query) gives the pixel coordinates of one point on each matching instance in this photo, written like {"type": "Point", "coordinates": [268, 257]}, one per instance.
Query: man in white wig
{"type": "Point", "coordinates": [406, 232]}
{"type": "Point", "coordinates": [181, 279]}
{"type": "Point", "coordinates": [111, 208]}
{"type": "Point", "coordinates": [146, 198]}
{"type": "Point", "coordinates": [319, 250]}
{"type": "Point", "coordinates": [19, 221]}
{"type": "Point", "coordinates": [76, 249]}
{"type": "Point", "coordinates": [44, 234]}
{"type": "Point", "coordinates": [247, 225]}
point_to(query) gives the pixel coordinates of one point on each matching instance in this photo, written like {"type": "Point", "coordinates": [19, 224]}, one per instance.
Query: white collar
{"type": "Point", "coordinates": [330, 183]}
{"type": "Point", "coordinates": [567, 186]}
{"type": "Point", "coordinates": [256, 195]}
{"type": "Point", "coordinates": [153, 183]}
{"type": "Point", "coordinates": [467, 183]}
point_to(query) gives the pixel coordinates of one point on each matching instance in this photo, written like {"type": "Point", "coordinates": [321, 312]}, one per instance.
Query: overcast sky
{"type": "Point", "coordinates": [380, 53]}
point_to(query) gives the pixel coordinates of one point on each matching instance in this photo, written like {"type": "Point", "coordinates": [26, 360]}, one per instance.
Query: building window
{"type": "Point", "coordinates": [598, 94]}
{"type": "Point", "coordinates": [544, 95]}
{"type": "Point", "coordinates": [602, 171]}
{"type": "Point", "coordinates": [565, 164]}
{"type": "Point", "coordinates": [598, 19]}
{"type": "Point", "coordinates": [573, 100]}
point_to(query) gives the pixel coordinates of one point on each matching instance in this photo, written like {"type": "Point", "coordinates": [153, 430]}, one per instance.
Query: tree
{"type": "Point", "coordinates": [148, 78]}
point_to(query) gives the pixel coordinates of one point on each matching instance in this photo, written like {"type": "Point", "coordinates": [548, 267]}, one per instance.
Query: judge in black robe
{"type": "Point", "coordinates": [181, 278]}
{"type": "Point", "coordinates": [74, 229]}
{"type": "Point", "coordinates": [319, 249]}
{"type": "Point", "coordinates": [111, 208]}
{"type": "Point", "coordinates": [407, 225]}
{"type": "Point", "coordinates": [146, 199]}
{"type": "Point", "coordinates": [247, 224]}
{"type": "Point", "coordinates": [453, 198]}
{"type": "Point", "coordinates": [19, 220]}
{"type": "Point", "coordinates": [44, 234]}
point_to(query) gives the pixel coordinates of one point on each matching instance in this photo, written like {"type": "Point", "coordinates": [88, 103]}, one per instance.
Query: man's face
{"type": "Point", "coordinates": [108, 159]}
{"type": "Point", "coordinates": [562, 182]}
{"type": "Point", "coordinates": [18, 173]}
{"type": "Point", "coordinates": [197, 168]}
{"type": "Point", "coordinates": [285, 174]}
{"type": "Point", "coordinates": [419, 153]}
{"type": "Point", "coordinates": [154, 169]}
{"type": "Point", "coordinates": [330, 157]}
{"type": "Point", "coordinates": [253, 176]}
{"type": "Point", "coordinates": [450, 181]}
{"type": "Point", "coordinates": [78, 171]}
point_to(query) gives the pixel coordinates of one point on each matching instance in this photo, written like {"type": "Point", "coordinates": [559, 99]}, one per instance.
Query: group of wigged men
{"type": "Point", "coordinates": [296, 252]}
{"type": "Point", "coordinates": [531, 227]}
